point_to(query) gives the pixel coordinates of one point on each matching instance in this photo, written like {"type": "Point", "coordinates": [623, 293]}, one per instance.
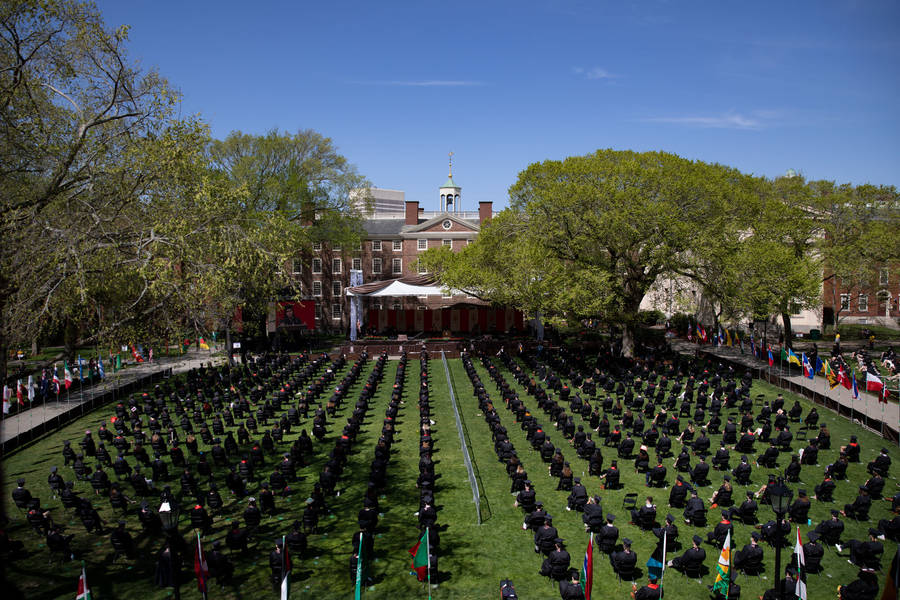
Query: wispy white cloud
{"type": "Point", "coordinates": [423, 83]}
{"type": "Point", "coordinates": [731, 120]}
{"type": "Point", "coordinates": [593, 73]}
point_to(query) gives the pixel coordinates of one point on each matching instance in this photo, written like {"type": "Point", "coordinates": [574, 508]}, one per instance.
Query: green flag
{"type": "Point", "coordinates": [359, 569]}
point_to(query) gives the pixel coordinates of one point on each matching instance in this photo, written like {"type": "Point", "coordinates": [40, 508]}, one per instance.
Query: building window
{"type": "Point", "coordinates": [317, 246]}
{"type": "Point", "coordinates": [447, 224]}
{"type": "Point", "coordinates": [336, 265]}
{"type": "Point", "coordinates": [358, 247]}
{"type": "Point", "coordinates": [845, 301]}
{"type": "Point", "coordinates": [317, 288]}
{"type": "Point", "coordinates": [395, 306]}
{"type": "Point", "coordinates": [469, 241]}
{"type": "Point", "coordinates": [421, 307]}
{"type": "Point", "coordinates": [296, 266]}
{"type": "Point", "coordinates": [863, 303]}
{"type": "Point", "coordinates": [356, 264]}
{"type": "Point", "coordinates": [317, 265]}
{"type": "Point", "coordinates": [376, 266]}
{"type": "Point", "coordinates": [336, 311]}
{"type": "Point", "coordinates": [447, 243]}
{"type": "Point", "coordinates": [318, 311]}
{"type": "Point", "coordinates": [376, 305]}
{"type": "Point", "coordinates": [336, 248]}
{"type": "Point", "coordinates": [376, 245]}
{"type": "Point", "coordinates": [421, 266]}
{"type": "Point", "coordinates": [396, 266]}
{"type": "Point", "coordinates": [421, 244]}
{"type": "Point", "coordinates": [398, 245]}
{"type": "Point", "coordinates": [336, 289]}
{"type": "Point", "coordinates": [884, 277]}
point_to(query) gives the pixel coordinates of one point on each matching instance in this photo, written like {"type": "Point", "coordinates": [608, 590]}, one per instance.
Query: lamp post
{"type": "Point", "coordinates": [780, 497]}
{"type": "Point", "coordinates": [168, 515]}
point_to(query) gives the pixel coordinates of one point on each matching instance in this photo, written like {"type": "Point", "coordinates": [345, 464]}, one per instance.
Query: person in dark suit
{"type": "Point", "coordinates": [570, 589]}
{"type": "Point", "coordinates": [650, 591]}
{"type": "Point", "coordinates": [694, 507]}
{"type": "Point", "coordinates": [623, 561]}
{"type": "Point", "coordinates": [864, 587]}
{"type": "Point", "coordinates": [608, 536]}
{"type": "Point", "coordinates": [813, 552]}
{"type": "Point", "coordinates": [751, 555]}
{"type": "Point", "coordinates": [693, 557]}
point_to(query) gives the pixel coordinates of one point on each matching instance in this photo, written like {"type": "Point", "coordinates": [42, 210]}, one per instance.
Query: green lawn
{"type": "Point", "coordinates": [472, 558]}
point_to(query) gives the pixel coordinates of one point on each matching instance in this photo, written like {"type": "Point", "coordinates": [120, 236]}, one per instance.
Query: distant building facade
{"type": "Point", "coordinates": [397, 231]}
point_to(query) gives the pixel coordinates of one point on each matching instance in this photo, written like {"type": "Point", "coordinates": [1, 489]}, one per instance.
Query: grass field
{"type": "Point", "coordinates": [472, 559]}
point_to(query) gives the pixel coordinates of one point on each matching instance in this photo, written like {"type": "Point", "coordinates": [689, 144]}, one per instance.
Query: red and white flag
{"type": "Point", "coordinates": [873, 382]}
{"type": "Point", "coordinates": [200, 567]}
{"type": "Point", "coordinates": [55, 380]}
{"type": "Point", "coordinates": [84, 593]}
{"type": "Point", "coordinates": [67, 375]}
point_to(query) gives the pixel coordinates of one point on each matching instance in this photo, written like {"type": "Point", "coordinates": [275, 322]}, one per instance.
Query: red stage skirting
{"type": "Point", "coordinates": [457, 320]}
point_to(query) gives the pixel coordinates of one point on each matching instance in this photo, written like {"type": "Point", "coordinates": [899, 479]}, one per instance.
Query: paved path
{"type": "Point", "coordinates": [865, 408]}
{"type": "Point", "coordinates": [12, 426]}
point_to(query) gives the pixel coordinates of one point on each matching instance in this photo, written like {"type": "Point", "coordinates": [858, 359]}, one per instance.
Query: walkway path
{"type": "Point", "coordinates": [866, 408]}
{"type": "Point", "coordinates": [12, 426]}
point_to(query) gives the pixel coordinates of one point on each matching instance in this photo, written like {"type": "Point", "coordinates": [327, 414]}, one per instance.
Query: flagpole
{"type": "Point", "coordinates": [283, 564]}
{"type": "Point", "coordinates": [428, 558]}
{"type": "Point", "coordinates": [662, 572]}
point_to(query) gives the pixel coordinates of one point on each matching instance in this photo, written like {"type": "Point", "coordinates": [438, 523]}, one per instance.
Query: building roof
{"type": "Point", "coordinates": [450, 184]}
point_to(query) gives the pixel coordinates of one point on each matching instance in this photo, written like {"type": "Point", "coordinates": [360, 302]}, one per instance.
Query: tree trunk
{"type": "Point", "coordinates": [788, 333]}
{"type": "Point", "coordinates": [628, 331]}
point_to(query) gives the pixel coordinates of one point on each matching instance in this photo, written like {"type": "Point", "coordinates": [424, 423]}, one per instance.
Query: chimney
{"type": "Point", "coordinates": [412, 212]}
{"type": "Point", "coordinates": [485, 210]}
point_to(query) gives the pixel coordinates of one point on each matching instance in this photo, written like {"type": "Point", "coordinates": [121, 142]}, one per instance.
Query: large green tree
{"type": "Point", "coordinates": [626, 218]}
{"type": "Point", "coordinates": [73, 109]}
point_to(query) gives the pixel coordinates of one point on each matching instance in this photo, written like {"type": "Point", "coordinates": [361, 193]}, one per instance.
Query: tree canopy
{"type": "Point", "coordinates": [588, 235]}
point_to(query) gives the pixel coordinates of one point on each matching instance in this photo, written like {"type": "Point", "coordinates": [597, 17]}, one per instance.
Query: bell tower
{"type": "Point", "coordinates": [450, 192]}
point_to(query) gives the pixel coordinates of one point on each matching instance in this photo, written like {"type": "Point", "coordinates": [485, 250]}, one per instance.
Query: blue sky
{"type": "Point", "coordinates": [760, 86]}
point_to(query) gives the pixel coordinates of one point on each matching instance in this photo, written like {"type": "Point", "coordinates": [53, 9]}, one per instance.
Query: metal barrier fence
{"type": "Point", "coordinates": [476, 496]}
{"type": "Point", "coordinates": [78, 410]}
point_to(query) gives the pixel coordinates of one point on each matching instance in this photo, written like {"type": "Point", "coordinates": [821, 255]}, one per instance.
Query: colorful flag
{"type": "Point", "coordinates": [420, 557]}
{"type": "Point", "coordinates": [67, 375]}
{"type": "Point", "coordinates": [752, 346]}
{"type": "Point", "coordinates": [30, 388]}
{"type": "Point", "coordinates": [200, 567]}
{"type": "Point", "coordinates": [7, 394]}
{"type": "Point", "coordinates": [203, 344]}
{"type": "Point", "coordinates": [727, 337]}
{"type": "Point", "coordinates": [800, 589]}
{"type": "Point", "coordinates": [84, 593]}
{"type": "Point", "coordinates": [118, 362]}
{"type": "Point", "coordinates": [844, 379]}
{"type": "Point", "coordinates": [100, 367]}
{"type": "Point", "coordinates": [771, 358]}
{"type": "Point", "coordinates": [587, 569]}
{"type": "Point", "coordinates": [855, 389]}
{"type": "Point", "coordinates": [830, 375]}
{"type": "Point", "coordinates": [286, 567]}
{"type": "Point", "coordinates": [793, 358]}
{"type": "Point", "coordinates": [873, 382]}
{"type": "Point", "coordinates": [656, 564]}
{"type": "Point", "coordinates": [807, 368]}
{"type": "Point", "coordinates": [20, 389]}
{"type": "Point", "coordinates": [723, 568]}
{"type": "Point", "coordinates": [702, 333]}
{"type": "Point", "coordinates": [80, 369]}
{"type": "Point", "coordinates": [55, 380]}
{"type": "Point", "coordinates": [820, 365]}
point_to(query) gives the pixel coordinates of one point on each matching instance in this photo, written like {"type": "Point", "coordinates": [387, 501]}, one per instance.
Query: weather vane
{"type": "Point", "coordinates": [451, 164]}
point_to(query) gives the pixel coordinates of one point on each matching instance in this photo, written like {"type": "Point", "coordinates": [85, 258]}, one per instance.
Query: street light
{"type": "Point", "coordinates": [168, 515]}
{"type": "Point", "coordinates": [780, 497]}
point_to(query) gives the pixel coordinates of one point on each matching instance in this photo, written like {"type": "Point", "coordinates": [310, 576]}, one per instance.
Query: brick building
{"type": "Point", "coordinates": [393, 242]}
{"type": "Point", "coordinates": [863, 302]}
